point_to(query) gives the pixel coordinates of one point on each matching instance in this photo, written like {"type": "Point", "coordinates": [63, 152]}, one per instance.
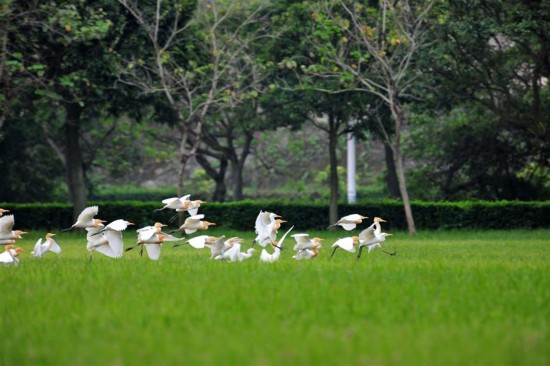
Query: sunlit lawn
{"type": "Point", "coordinates": [446, 298]}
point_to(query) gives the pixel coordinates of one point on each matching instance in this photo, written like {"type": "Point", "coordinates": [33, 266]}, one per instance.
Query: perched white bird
{"type": "Point", "coordinates": [199, 242]}
{"type": "Point", "coordinates": [305, 247]}
{"type": "Point", "coordinates": [6, 229]}
{"type": "Point", "coordinates": [9, 256]}
{"type": "Point", "coordinates": [106, 242]}
{"type": "Point", "coordinates": [266, 227]}
{"type": "Point", "coordinates": [194, 223]}
{"type": "Point", "coordinates": [86, 219]}
{"type": "Point", "coordinates": [347, 244]}
{"type": "Point", "coordinates": [350, 222]}
{"type": "Point", "coordinates": [277, 247]}
{"type": "Point", "coordinates": [49, 245]}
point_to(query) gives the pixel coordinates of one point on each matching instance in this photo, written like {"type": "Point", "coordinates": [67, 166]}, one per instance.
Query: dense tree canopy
{"type": "Point", "coordinates": [97, 91]}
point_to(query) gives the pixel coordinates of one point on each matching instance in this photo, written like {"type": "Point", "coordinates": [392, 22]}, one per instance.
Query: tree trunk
{"type": "Point", "coordinates": [400, 120]}
{"type": "Point", "coordinates": [392, 183]}
{"type": "Point", "coordinates": [220, 190]}
{"type": "Point", "coordinates": [73, 158]}
{"type": "Point", "coordinates": [237, 178]}
{"type": "Point", "coordinates": [218, 176]}
{"type": "Point", "coordinates": [333, 178]}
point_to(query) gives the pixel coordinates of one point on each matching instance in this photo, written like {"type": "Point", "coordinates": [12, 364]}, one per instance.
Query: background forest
{"type": "Point", "coordinates": [245, 99]}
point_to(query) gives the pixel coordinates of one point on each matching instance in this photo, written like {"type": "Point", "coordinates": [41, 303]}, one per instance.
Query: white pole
{"type": "Point", "coordinates": [352, 194]}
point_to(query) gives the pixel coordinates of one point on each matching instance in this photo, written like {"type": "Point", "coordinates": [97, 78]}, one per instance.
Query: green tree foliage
{"type": "Point", "coordinates": [484, 132]}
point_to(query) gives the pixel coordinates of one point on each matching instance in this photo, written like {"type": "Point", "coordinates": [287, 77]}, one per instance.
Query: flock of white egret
{"type": "Point", "coordinates": [108, 240]}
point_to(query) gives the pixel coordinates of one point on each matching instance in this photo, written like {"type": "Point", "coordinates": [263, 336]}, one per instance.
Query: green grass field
{"type": "Point", "coordinates": [447, 298]}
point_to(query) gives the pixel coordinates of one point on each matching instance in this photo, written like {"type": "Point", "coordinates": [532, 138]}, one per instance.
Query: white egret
{"type": "Point", "coordinates": [303, 241]}
{"type": "Point", "coordinates": [192, 207]}
{"type": "Point", "coordinates": [49, 245]}
{"type": "Point", "coordinates": [277, 247]}
{"type": "Point", "coordinates": [228, 249]}
{"type": "Point", "coordinates": [349, 222]}
{"type": "Point", "coordinates": [305, 247]}
{"type": "Point", "coordinates": [9, 256]}
{"type": "Point", "coordinates": [348, 244]}
{"type": "Point", "coordinates": [234, 253]}
{"type": "Point", "coordinates": [372, 237]}
{"type": "Point", "coordinates": [86, 219]}
{"type": "Point", "coordinates": [117, 225]}
{"type": "Point", "coordinates": [199, 242]}
{"type": "Point", "coordinates": [6, 229]}
{"type": "Point", "coordinates": [307, 253]}
{"type": "Point", "coordinates": [266, 227]}
{"type": "Point", "coordinates": [217, 247]}
{"type": "Point", "coordinates": [152, 238]}
{"type": "Point", "coordinates": [194, 223]}
{"type": "Point", "coordinates": [175, 203]}
{"type": "Point", "coordinates": [106, 242]}
{"type": "Point", "coordinates": [154, 243]}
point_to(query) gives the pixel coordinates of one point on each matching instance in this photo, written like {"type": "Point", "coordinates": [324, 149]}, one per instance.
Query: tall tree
{"type": "Point", "coordinates": [189, 57]}
{"type": "Point", "coordinates": [372, 49]}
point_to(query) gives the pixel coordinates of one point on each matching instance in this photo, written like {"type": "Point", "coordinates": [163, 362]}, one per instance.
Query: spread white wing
{"type": "Point", "coordinates": [6, 224]}
{"type": "Point", "coordinates": [153, 251]}
{"type": "Point", "coordinates": [88, 214]}
{"type": "Point", "coordinates": [346, 244]}
{"type": "Point", "coordinates": [55, 247]}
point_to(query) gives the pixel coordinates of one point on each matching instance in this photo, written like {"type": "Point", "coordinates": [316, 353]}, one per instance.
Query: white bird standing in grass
{"type": "Point", "coordinates": [86, 219]}
{"type": "Point", "coordinates": [49, 245]}
{"type": "Point", "coordinates": [194, 223]}
{"type": "Point", "coordinates": [350, 222]}
{"type": "Point", "coordinates": [7, 234]}
{"type": "Point", "coordinates": [9, 256]}
{"type": "Point", "coordinates": [277, 247]}
{"type": "Point", "coordinates": [348, 244]}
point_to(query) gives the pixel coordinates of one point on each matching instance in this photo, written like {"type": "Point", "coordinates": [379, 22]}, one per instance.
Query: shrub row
{"type": "Point", "coordinates": [241, 215]}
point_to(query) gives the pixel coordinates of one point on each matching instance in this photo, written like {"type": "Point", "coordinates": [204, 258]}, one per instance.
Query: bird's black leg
{"type": "Point", "coordinates": [141, 252]}
{"type": "Point", "coordinates": [360, 251]}
{"type": "Point", "coordinates": [334, 250]}
{"type": "Point", "coordinates": [91, 256]}
{"type": "Point", "coordinates": [389, 253]}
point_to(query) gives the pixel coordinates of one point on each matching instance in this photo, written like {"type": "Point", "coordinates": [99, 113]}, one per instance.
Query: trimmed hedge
{"type": "Point", "coordinates": [242, 215]}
